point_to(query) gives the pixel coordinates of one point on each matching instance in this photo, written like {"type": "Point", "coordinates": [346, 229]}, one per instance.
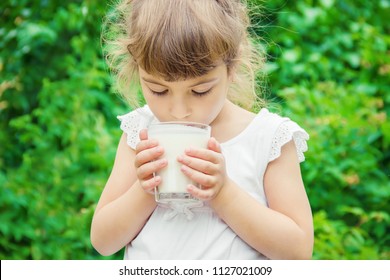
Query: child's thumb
{"type": "Point", "coordinates": [214, 145]}
{"type": "Point", "coordinates": [143, 134]}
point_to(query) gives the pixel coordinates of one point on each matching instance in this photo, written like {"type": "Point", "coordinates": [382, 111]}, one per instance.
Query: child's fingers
{"type": "Point", "coordinates": [150, 184]}
{"type": "Point", "coordinates": [144, 145]}
{"type": "Point", "coordinates": [148, 155]}
{"type": "Point", "coordinates": [214, 145]}
{"type": "Point", "coordinates": [204, 154]}
{"type": "Point", "coordinates": [202, 194]}
{"type": "Point", "coordinates": [143, 134]}
{"type": "Point", "coordinates": [213, 152]}
{"type": "Point", "coordinates": [201, 165]}
{"type": "Point", "coordinates": [146, 170]}
{"type": "Point", "coordinates": [199, 177]}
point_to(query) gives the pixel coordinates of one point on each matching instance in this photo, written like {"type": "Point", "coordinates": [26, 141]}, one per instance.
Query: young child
{"type": "Point", "coordinates": [193, 61]}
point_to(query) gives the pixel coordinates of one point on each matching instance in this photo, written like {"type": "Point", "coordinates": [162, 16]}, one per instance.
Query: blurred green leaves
{"type": "Point", "coordinates": [58, 128]}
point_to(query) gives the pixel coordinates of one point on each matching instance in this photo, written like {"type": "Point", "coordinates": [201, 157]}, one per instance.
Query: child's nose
{"type": "Point", "coordinates": [180, 109]}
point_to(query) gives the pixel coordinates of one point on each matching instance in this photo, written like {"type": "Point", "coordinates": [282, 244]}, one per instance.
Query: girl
{"type": "Point", "coordinates": [192, 60]}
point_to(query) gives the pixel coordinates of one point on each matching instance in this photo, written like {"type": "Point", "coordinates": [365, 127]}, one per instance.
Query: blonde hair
{"type": "Point", "coordinates": [181, 39]}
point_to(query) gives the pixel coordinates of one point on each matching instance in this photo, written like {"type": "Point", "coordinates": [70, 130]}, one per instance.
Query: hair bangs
{"type": "Point", "coordinates": [179, 45]}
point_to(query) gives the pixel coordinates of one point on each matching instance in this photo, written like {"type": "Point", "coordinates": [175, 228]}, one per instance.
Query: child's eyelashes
{"type": "Point", "coordinates": [201, 93]}
{"type": "Point", "coordinates": [159, 93]}
{"type": "Point", "coordinates": [195, 93]}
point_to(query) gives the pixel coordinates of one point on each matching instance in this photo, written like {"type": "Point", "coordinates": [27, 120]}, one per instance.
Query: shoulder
{"type": "Point", "coordinates": [283, 130]}
{"type": "Point", "coordinates": [268, 117]}
{"type": "Point", "coordinates": [137, 115]}
{"type": "Point", "coordinates": [276, 131]}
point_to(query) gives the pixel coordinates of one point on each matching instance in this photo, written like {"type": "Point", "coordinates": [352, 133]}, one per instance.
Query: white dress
{"type": "Point", "coordinates": [195, 231]}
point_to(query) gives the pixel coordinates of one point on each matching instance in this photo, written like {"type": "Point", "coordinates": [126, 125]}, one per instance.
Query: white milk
{"type": "Point", "coordinates": [175, 138]}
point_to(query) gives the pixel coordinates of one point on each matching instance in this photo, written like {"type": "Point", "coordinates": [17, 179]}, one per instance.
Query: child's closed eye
{"type": "Point", "coordinates": [201, 93]}
{"type": "Point", "coordinates": [159, 93]}
{"type": "Point", "coordinates": [196, 93]}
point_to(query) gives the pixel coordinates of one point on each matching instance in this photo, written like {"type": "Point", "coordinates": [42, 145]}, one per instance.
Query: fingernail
{"type": "Point", "coordinates": [184, 168]}
{"type": "Point", "coordinates": [181, 159]}
{"type": "Point", "coordinates": [159, 149]}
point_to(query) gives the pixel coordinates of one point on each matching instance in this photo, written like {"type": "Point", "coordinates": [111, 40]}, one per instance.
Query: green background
{"type": "Point", "coordinates": [328, 69]}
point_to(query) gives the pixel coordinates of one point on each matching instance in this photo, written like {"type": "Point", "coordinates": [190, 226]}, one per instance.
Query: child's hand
{"type": "Point", "coordinates": [207, 168]}
{"type": "Point", "coordinates": [147, 162]}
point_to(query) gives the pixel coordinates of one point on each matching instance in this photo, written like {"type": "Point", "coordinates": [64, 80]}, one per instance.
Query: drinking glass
{"type": "Point", "coordinates": [175, 137]}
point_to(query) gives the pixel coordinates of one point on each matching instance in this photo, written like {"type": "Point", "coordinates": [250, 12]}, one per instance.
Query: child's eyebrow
{"type": "Point", "coordinates": [152, 81]}
{"type": "Point", "coordinates": [194, 85]}
{"type": "Point", "coordinates": [205, 82]}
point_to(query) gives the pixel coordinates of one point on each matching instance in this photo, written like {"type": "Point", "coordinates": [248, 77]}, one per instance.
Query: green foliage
{"type": "Point", "coordinates": [328, 68]}
{"type": "Point", "coordinates": [58, 128]}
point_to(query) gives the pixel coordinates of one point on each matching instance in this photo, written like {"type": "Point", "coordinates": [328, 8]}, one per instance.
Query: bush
{"type": "Point", "coordinates": [58, 128]}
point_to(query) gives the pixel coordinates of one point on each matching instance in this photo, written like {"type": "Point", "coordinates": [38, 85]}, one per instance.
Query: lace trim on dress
{"type": "Point", "coordinates": [133, 122]}
{"type": "Point", "coordinates": [289, 130]}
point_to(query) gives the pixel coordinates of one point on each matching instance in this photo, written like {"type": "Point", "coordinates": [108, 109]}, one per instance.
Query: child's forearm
{"type": "Point", "coordinates": [118, 222]}
{"type": "Point", "coordinates": [273, 234]}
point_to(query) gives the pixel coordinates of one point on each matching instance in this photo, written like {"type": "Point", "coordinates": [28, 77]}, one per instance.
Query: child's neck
{"type": "Point", "coordinates": [230, 122]}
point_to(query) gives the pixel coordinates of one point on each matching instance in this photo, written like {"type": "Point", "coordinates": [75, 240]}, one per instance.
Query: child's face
{"type": "Point", "coordinates": [195, 100]}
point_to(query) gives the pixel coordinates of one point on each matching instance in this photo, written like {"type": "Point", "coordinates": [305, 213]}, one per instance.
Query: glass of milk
{"type": "Point", "coordinates": [175, 137]}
